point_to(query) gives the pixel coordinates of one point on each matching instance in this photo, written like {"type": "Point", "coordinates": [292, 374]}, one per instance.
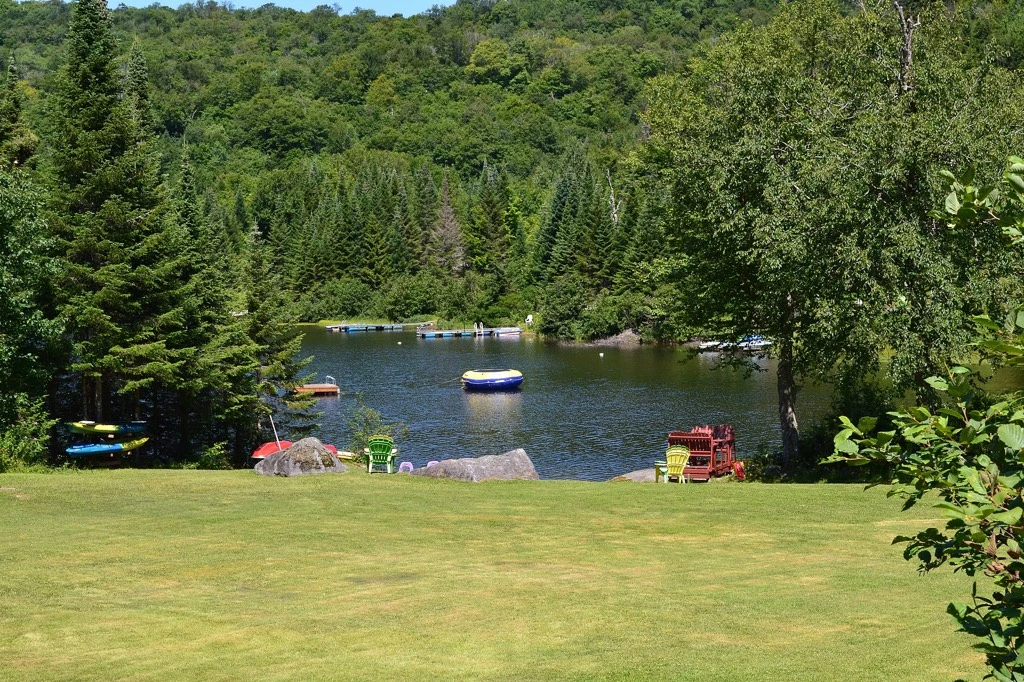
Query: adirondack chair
{"type": "Point", "coordinates": [380, 451]}
{"type": "Point", "coordinates": [676, 457]}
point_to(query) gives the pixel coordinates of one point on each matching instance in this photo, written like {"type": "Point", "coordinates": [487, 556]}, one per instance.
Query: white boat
{"type": "Point", "coordinates": [754, 343]}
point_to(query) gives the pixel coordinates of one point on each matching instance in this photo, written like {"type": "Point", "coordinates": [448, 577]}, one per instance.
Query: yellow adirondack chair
{"type": "Point", "coordinates": [676, 458]}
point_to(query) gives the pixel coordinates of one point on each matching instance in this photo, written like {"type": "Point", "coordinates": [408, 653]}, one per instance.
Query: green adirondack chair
{"type": "Point", "coordinates": [380, 451]}
{"type": "Point", "coordinates": [676, 458]}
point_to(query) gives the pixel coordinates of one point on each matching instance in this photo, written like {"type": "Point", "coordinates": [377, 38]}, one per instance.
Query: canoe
{"type": "Point", "coordinates": [270, 448]}
{"type": "Point", "coordinates": [491, 379]}
{"type": "Point", "coordinates": [104, 448]}
{"type": "Point", "coordinates": [93, 427]}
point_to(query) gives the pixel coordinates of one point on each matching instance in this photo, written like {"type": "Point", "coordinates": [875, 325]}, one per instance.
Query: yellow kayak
{"type": "Point", "coordinates": [105, 429]}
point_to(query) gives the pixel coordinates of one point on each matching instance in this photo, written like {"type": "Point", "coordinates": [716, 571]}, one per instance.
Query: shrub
{"type": "Point", "coordinates": [23, 442]}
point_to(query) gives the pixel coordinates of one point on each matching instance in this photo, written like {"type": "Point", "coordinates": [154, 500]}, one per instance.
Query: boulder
{"type": "Point", "coordinates": [623, 339]}
{"type": "Point", "coordinates": [511, 466]}
{"type": "Point", "coordinates": [308, 456]}
{"type": "Point", "coordinates": [638, 476]}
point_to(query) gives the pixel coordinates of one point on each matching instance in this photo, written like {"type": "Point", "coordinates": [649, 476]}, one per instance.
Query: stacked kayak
{"type": "Point", "coordinates": [104, 448]}
{"type": "Point", "coordinates": [491, 379]}
{"type": "Point", "coordinates": [107, 429]}
{"type": "Point", "coordinates": [113, 438]}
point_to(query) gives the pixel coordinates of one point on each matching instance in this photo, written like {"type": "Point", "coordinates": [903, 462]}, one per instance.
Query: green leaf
{"type": "Point", "coordinates": [937, 383]}
{"type": "Point", "coordinates": [986, 322]}
{"type": "Point", "coordinates": [952, 203]}
{"type": "Point", "coordinates": [1013, 179]}
{"type": "Point", "coordinates": [1012, 436]}
{"type": "Point", "coordinates": [1010, 517]}
{"type": "Point", "coordinates": [867, 424]}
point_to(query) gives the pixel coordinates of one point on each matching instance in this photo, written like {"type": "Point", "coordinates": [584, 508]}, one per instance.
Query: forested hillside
{"type": "Point", "coordinates": [361, 146]}
{"type": "Point", "coordinates": [178, 186]}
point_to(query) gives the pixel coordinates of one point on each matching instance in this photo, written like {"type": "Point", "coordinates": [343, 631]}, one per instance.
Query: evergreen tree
{"type": "Point", "coordinates": [17, 142]}
{"type": "Point", "coordinates": [517, 270]}
{"type": "Point", "coordinates": [424, 212]}
{"type": "Point", "coordinates": [487, 241]}
{"type": "Point", "coordinates": [445, 250]}
{"type": "Point", "coordinates": [279, 369]}
{"type": "Point", "coordinates": [136, 86]}
{"type": "Point", "coordinates": [117, 290]}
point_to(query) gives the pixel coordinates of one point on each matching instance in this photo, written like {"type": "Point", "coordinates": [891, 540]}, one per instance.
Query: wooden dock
{"type": "Point", "coordinates": [456, 333]}
{"type": "Point", "coordinates": [319, 389]}
{"type": "Point", "coordinates": [350, 328]}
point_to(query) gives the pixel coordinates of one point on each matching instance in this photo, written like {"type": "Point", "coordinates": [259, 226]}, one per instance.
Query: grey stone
{"type": "Point", "coordinates": [308, 456]}
{"type": "Point", "coordinates": [511, 466]}
{"type": "Point", "coordinates": [638, 476]}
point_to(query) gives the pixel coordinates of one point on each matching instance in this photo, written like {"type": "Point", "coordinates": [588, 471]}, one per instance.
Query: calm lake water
{"type": "Point", "coordinates": [578, 415]}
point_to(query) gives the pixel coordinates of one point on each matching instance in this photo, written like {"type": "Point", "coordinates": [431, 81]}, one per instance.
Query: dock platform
{"type": "Point", "coordinates": [319, 389]}
{"type": "Point", "coordinates": [349, 328]}
{"type": "Point", "coordinates": [456, 333]}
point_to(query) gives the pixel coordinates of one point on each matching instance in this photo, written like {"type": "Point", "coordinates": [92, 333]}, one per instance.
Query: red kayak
{"type": "Point", "coordinates": [270, 448]}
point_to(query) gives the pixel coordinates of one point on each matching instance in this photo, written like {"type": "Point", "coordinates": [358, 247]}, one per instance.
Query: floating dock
{"type": "Point", "coordinates": [349, 328]}
{"type": "Point", "coordinates": [319, 389]}
{"type": "Point", "coordinates": [456, 333]}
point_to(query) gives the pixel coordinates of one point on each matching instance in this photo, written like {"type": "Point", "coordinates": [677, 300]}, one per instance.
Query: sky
{"type": "Point", "coordinates": [381, 7]}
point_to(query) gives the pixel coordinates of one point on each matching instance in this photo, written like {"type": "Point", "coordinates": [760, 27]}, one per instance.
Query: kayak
{"type": "Point", "coordinates": [93, 427]}
{"type": "Point", "coordinates": [104, 448]}
{"type": "Point", "coordinates": [492, 379]}
{"type": "Point", "coordinates": [270, 448]}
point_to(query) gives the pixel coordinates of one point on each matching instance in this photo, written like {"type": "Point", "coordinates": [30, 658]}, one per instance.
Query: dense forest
{"type": "Point", "coordinates": [177, 186]}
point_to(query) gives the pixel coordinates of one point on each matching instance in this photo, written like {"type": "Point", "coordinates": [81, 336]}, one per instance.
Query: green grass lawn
{"type": "Point", "coordinates": [158, 575]}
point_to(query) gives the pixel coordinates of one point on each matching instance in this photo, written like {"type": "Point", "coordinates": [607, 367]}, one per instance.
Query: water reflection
{"type": "Point", "coordinates": [491, 409]}
{"type": "Point", "coordinates": [579, 415]}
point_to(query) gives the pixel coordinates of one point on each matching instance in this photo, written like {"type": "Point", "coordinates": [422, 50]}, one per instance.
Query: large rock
{"type": "Point", "coordinates": [308, 456]}
{"type": "Point", "coordinates": [638, 476]}
{"type": "Point", "coordinates": [511, 466]}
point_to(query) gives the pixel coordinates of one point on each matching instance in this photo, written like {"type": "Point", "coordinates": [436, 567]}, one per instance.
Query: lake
{"type": "Point", "coordinates": [578, 415]}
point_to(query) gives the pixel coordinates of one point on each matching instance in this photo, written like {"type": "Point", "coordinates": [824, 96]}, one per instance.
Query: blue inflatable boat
{"type": "Point", "coordinates": [491, 379]}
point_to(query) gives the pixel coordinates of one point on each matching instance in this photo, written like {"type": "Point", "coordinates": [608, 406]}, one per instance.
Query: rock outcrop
{"type": "Point", "coordinates": [308, 456]}
{"type": "Point", "coordinates": [638, 476]}
{"type": "Point", "coordinates": [511, 466]}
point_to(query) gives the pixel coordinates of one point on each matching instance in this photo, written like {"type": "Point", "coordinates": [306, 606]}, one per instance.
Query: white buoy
{"type": "Point", "coordinates": [601, 354]}
{"type": "Point", "coordinates": [399, 343]}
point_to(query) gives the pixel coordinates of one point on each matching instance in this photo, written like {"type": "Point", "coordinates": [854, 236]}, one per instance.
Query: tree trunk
{"type": "Point", "coordinates": [908, 24]}
{"type": "Point", "coordinates": [85, 397]}
{"type": "Point", "coordinates": [97, 396]}
{"type": "Point", "coordinates": [787, 404]}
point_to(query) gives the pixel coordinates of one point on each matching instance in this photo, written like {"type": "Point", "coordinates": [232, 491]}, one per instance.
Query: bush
{"type": "Point", "coordinates": [407, 296]}
{"type": "Point", "coordinates": [23, 442]}
{"type": "Point", "coordinates": [215, 457]}
{"type": "Point", "coordinates": [366, 422]}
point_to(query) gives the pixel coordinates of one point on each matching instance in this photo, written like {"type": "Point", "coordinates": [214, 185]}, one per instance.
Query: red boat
{"type": "Point", "coordinates": [270, 448]}
{"type": "Point", "coordinates": [712, 451]}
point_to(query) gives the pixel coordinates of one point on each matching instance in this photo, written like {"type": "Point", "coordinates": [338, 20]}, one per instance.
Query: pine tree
{"type": "Point", "coordinates": [279, 369]}
{"type": "Point", "coordinates": [17, 142]}
{"type": "Point", "coordinates": [424, 212]}
{"type": "Point", "coordinates": [647, 240]}
{"type": "Point", "coordinates": [406, 236]}
{"type": "Point", "coordinates": [111, 219]}
{"type": "Point", "coordinates": [445, 250]}
{"type": "Point", "coordinates": [517, 270]}
{"type": "Point", "coordinates": [488, 239]}
{"type": "Point", "coordinates": [136, 86]}
{"type": "Point", "coordinates": [560, 224]}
